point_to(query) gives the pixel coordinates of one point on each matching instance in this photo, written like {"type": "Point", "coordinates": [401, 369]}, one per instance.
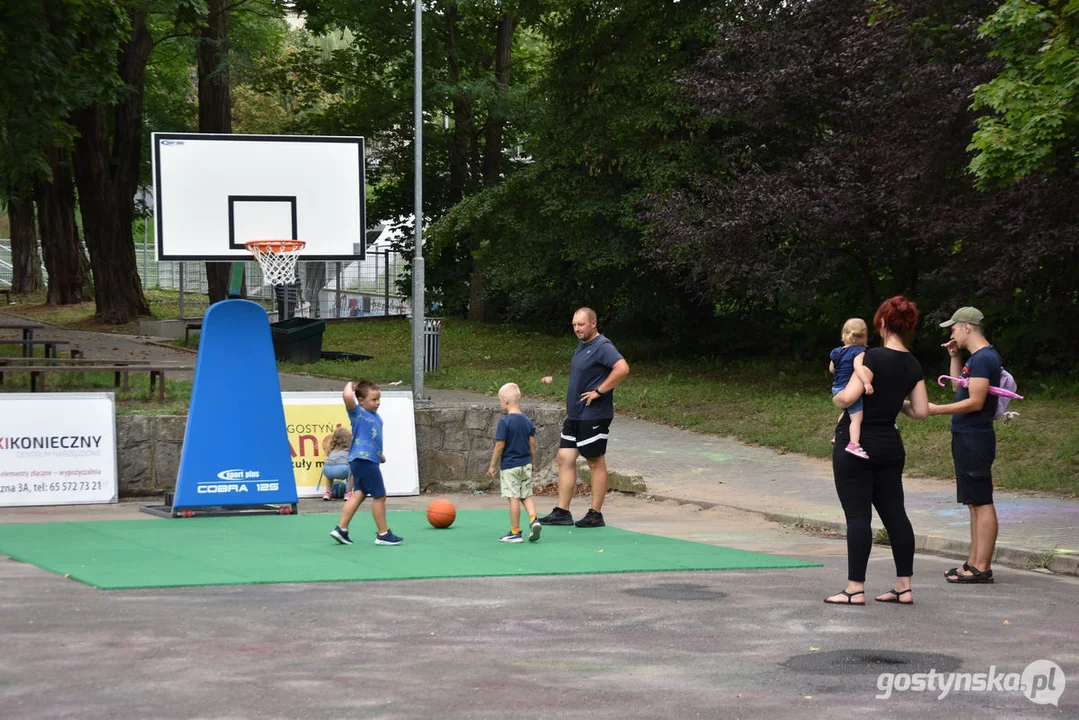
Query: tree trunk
{"type": "Point", "coordinates": [107, 173]}
{"type": "Point", "coordinates": [496, 118]}
{"type": "Point", "coordinates": [25, 259]}
{"type": "Point", "coordinates": [492, 157]}
{"type": "Point", "coordinates": [215, 113]}
{"type": "Point", "coordinates": [60, 246]}
{"type": "Point", "coordinates": [462, 113]}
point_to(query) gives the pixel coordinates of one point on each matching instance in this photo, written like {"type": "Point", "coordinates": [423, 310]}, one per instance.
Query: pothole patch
{"type": "Point", "coordinates": [676, 591]}
{"type": "Point", "coordinates": [871, 662]}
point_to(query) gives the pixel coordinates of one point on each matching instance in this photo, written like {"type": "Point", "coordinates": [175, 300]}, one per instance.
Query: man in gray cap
{"type": "Point", "coordinates": [974, 442]}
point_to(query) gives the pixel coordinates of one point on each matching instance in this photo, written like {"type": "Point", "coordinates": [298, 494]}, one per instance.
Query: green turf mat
{"type": "Point", "coordinates": [288, 549]}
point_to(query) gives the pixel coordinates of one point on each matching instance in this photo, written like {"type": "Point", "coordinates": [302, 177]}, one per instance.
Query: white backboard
{"type": "Point", "coordinates": [213, 193]}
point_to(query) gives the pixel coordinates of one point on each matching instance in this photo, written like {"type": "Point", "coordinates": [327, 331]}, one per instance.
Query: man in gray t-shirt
{"type": "Point", "coordinates": [596, 369]}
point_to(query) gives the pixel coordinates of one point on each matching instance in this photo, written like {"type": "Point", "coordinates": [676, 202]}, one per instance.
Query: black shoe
{"type": "Point", "coordinates": [558, 516]}
{"type": "Point", "coordinates": [591, 519]}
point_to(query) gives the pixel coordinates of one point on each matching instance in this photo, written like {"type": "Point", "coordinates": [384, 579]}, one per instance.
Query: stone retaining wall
{"type": "Point", "coordinates": [453, 446]}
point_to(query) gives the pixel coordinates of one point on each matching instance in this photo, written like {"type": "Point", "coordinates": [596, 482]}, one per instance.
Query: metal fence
{"type": "Point", "coordinates": [334, 289]}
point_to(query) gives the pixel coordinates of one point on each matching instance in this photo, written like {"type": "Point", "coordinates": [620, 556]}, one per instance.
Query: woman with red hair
{"type": "Point", "coordinates": [893, 383]}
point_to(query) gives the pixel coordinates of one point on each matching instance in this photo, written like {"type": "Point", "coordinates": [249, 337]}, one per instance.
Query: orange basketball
{"type": "Point", "coordinates": [441, 513]}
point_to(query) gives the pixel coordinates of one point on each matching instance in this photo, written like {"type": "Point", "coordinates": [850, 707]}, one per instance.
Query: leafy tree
{"type": "Point", "coordinates": [46, 74]}
{"type": "Point", "coordinates": [604, 125]}
{"type": "Point", "coordinates": [1032, 121]}
{"type": "Point", "coordinates": [107, 158]}
{"type": "Point", "coordinates": [215, 62]}
{"type": "Point", "coordinates": [25, 258]}
{"type": "Point", "coordinates": [843, 129]}
{"type": "Point", "coordinates": [842, 132]}
{"type": "Point", "coordinates": [470, 128]}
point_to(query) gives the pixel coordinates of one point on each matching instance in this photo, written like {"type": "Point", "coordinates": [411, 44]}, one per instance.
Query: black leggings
{"type": "Point", "coordinates": [874, 483]}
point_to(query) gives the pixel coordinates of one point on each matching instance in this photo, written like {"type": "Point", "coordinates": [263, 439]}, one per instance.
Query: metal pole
{"type": "Point", "coordinates": [236, 276]}
{"type": "Point", "coordinates": [337, 292]}
{"type": "Point", "coordinates": [417, 262]}
{"type": "Point", "coordinates": [386, 282]}
{"type": "Point", "coordinates": [181, 289]}
{"type": "Point", "coordinates": [145, 238]}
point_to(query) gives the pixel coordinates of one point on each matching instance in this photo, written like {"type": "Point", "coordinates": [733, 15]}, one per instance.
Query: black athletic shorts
{"type": "Point", "coordinates": [589, 437]}
{"type": "Point", "coordinates": [973, 454]}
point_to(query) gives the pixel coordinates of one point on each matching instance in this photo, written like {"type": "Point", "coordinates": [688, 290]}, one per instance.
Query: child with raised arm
{"type": "Point", "coordinates": [336, 468]}
{"type": "Point", "coordinates": [844, 363]}
{"type": "Point", "coordinates": [515, 454]}
{"type": "Point", "coordinates": [362, 400]}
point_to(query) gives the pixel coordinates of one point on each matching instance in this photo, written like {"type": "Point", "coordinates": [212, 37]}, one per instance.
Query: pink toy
{"type": "Point", "coordinates": [992, 390]}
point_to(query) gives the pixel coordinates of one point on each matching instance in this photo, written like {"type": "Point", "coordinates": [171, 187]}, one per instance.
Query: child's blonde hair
{"type": "Point", "coordinates": [855, 332]}
{"type": "Point", "coordinates": [342, 439]}
{"type": "Point", "coordinates": [511, 393]}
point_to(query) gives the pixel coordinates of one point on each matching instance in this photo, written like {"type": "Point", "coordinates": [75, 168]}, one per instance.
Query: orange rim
{"type": "Point", "coordinates": [275, 246]}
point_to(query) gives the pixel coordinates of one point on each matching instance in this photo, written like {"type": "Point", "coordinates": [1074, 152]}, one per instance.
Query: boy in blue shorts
{"type": "Point", "coordinates": [362, 400]}
{"type": "Point", "coordinates": [515, 454]}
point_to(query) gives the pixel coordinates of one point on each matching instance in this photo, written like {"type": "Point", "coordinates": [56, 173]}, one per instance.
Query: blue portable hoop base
{"type": "Point", "coordinates": [236, 458]}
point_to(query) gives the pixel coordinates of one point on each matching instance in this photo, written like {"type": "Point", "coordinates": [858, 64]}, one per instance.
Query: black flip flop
{"type": "Point", "coordinates": [849, 601]}
{"type": "Point", "coordinates": [896, 594]}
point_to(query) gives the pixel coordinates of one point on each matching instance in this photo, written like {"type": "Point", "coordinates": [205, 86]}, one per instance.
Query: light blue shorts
{"type": "Point", "coordinates": [336, 472]}
{"type": "Point", "coordinates": [856, 406]}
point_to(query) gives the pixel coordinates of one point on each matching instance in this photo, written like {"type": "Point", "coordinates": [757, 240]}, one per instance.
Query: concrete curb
{"type": "Point", "coordinates": [1022, 558]}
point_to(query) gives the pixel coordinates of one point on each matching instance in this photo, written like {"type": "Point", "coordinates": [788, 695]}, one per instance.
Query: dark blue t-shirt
{"type": "Point", "coordinates": [514, 429]}
{"type": "Point", "coordinates": [590, 366]}
{"type": "Point", "coordinates": [983, 364]}
{"type": "Point", "coordinates": [843, 360]}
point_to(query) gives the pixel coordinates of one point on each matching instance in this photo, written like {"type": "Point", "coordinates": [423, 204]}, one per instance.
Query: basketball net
{"type": "Point", "coordinates": [277, 258]}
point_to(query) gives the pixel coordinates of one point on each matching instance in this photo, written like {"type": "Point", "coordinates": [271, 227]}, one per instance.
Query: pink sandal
{"type": "Point", "coordinates": [856, 450]}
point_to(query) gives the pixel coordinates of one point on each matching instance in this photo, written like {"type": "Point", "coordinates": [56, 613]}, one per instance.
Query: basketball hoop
{"type": "Point", "coordinates": [277, 258]}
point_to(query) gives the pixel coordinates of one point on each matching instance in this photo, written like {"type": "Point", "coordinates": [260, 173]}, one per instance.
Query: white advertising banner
{"type": "Point", "coordinates": [313, 416]}
{"type": "Point", "coordinates": [57, 448]}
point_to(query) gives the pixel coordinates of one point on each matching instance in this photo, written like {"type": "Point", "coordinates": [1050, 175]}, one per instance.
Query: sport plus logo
{"type": "Point", "coordinates": [237, 480]}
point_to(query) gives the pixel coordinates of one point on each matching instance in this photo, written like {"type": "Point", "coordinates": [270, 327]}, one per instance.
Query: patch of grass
{"type": "Point", "coordinates": [1042, 563]}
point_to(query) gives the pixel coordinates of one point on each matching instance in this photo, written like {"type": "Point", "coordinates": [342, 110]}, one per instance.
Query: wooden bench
{"type": "Point", "coordinates": [6, 292]}
{"type": "Point", "coordinates": [189, 325]}
{"type": "Point", "coordinates": [26, 328]}
{"type": "Point", "coordinates": [157, 372]}
{"type": "Point", "coordinates": [195, 323]}
{"type": "Point", "coordinates": [73, 362]}
{"type": "Point", "coordinates": [50, 345]}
